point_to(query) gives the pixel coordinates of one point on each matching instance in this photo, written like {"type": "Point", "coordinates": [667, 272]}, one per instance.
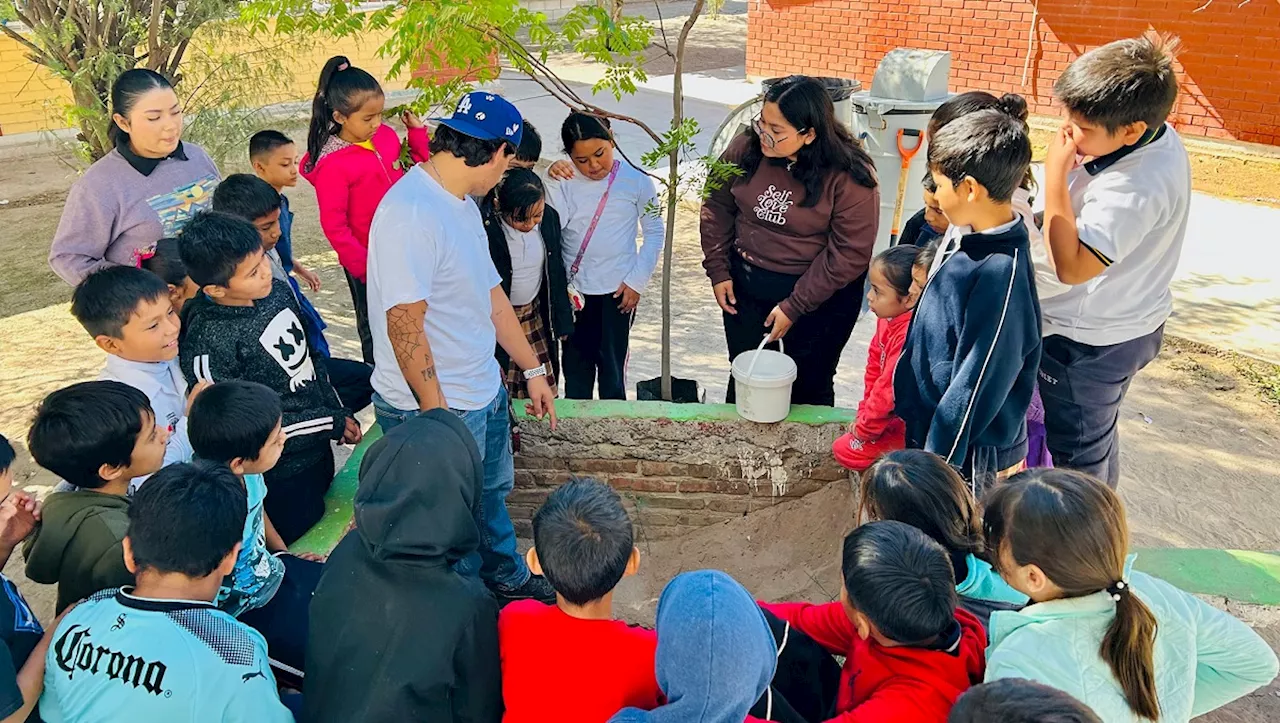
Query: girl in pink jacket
{"type": "Point", "coordinates": [352, 160]}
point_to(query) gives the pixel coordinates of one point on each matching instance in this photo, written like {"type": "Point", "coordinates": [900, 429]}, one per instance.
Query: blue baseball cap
{"type": "Point", "coordinates": [486, 116]}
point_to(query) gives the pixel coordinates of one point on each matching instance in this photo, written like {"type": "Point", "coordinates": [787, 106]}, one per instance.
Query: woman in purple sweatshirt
{"type": "Point", "coordinates": [787, 244]}
{"type": "Point", "coordinates": [144, 190]}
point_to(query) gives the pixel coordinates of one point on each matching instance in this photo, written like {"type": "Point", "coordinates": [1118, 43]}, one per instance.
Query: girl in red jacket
{"type": "Point", "coordinates": [876, 430]}
{"type": "Point", "coordinates": [352, 160]}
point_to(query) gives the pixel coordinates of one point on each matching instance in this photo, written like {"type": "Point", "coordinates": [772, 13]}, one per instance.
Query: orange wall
{"type": "Point", "coordinates": [1230, 63]}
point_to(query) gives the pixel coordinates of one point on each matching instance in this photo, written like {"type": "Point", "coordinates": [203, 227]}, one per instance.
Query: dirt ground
{"type": "Point", "coordinates": [1201, 428]}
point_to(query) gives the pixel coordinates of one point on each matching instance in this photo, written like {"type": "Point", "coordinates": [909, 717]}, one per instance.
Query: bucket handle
{"type": "Point", "coordinates": [756, 359]}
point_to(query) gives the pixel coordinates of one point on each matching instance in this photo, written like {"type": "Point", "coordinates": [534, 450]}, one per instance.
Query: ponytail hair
{"type": "Point", "coordinates": [129, 87]}
{"type": "Point", "coordinates": [1011, 104]}
{"type": "Point", "coordinates": [895, 264]}
{"type": "Point", "coordinates": [1073, 527]}
{"type": "Point", "coordinates": [342, 88]}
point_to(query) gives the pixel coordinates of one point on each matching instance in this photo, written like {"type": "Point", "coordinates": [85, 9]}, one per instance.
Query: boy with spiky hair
{"type": "Point", "coordinates": [1117, 194]}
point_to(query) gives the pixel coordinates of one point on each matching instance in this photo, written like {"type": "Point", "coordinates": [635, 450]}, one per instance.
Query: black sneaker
{"type": "Point", "coordinates": [536, 588]}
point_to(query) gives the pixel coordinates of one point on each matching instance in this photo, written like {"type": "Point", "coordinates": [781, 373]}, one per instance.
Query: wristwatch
{"type": "Point", "coordinates": [534, 373]}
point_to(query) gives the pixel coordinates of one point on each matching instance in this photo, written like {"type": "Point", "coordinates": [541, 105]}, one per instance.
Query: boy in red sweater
{"type": "Point", "coordinates": [572, 662]}
{"type": "Point", "coordinates": [909, 652]}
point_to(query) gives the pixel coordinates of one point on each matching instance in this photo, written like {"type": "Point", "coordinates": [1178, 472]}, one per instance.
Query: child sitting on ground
{"type": "Point", "coordinates": [969, 364]}
{"type": "Point", "coordinates": [909, 651]}
{"type": "Point", "coordinates": [875, 429]}
{"type": "Point", "coordinates": [161, 651]}
{"type": "Point", "coordinates": [1115, 227]}
{"type": "Point", "coordinates": [1129, 646]}
{"type": "Point", "coordinates": [715, 654]}
{"type": "Point", "coordinates": [918, 488]}
{"type": "Point", "coordinates": [23, 642]}
{"type": "Point", "coordinates": [1014, 700]}
{"type": "Point", "coordinates": [257, 202]}
{"type": "Point", "coordinates": [428, 648]}
{"type": "Point", "coordinates": [166, 262]}
{"type": "Point", "coordinates": [130, 315]}
{"type": "Point", "coordinates": [353, 159]}
{"type": "Point", "coordinates": [244, 325]}
{"type": "Point", "coordinates": [97, 436]}
{"type": "Point", "coordinates": [238, 424]}
{"type": "Point", "coordinates": [552, 655]}
{"type": "Point", "coordinates": [928, 223]}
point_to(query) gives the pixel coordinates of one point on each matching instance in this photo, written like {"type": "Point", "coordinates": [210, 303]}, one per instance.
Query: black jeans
{"type": "Point", "coordinates": [350, 379]}
{"type": "Point", "coordinates": [597, 349]}
{"type": "Point", "coordinates": [1082, 387]}
{"type": "Point", "coordinates": [806, 683]}
{"type": "Point", "coordinates": [285, 619]}
{"type": "Point", "coordinates": [815, 341]}
{"type": "Point", "coordinates": [360, 302]}
{"type": "Point", "coordinates": [295, 502]}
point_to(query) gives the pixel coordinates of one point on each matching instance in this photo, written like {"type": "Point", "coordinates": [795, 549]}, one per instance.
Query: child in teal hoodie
{"type": "Point", "coordinates": [1129, 646]}
{"type": "Point", "coordinates": [918, 488]}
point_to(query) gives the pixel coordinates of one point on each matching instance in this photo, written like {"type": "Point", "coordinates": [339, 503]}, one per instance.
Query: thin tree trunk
{"type": "Point", "coordinates": [673, 195]}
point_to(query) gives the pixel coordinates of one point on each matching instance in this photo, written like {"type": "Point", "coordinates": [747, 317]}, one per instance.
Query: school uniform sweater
{"type": "Point", "coordinates": [902, 684]}
{"type": "Point", "coordinates": [266, 343]}
{"type": "Point", "coordinates": [968, 369]}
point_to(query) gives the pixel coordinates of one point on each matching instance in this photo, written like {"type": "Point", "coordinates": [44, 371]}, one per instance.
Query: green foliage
{"type": "Point", "coordinates": [7, 12]}
{"type": "Point", "coordinates": [90, 47]}
{"type": "Point", "coordinates": [472, 36]}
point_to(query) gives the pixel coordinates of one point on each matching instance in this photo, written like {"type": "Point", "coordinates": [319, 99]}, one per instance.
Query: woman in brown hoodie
{"type": "Point", "coordinates": [787, 243]}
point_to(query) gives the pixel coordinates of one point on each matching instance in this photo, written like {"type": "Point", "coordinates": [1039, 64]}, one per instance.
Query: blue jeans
{"type": "Point", "coordinates": [498, 562]}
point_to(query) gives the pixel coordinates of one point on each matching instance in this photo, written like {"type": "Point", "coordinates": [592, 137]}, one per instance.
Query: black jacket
{"type": "Point", "coordinates": [917, 231]}
{"type": "Point", "coordinates": [556, 309]}
{"type": "Point", "coordinates": [266, 343]}
{"type": "Point", "coordinates": [967, 371]}
{"type": "Point", "coordinates": [396, 634]}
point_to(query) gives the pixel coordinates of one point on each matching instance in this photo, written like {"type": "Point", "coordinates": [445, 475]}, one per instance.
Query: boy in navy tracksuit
{"type": "Point", "coordinates": [967, 371]}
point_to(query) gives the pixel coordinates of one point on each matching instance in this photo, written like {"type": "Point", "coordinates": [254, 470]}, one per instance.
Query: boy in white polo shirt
{"type": "Point", "coordinates": [1115, 225]}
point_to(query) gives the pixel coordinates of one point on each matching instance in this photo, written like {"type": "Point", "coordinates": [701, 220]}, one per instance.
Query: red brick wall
{"type": "Point", "coordinates": [1230, 64]}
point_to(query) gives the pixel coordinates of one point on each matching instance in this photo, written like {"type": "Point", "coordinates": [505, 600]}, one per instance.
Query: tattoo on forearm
{"type": "Point", "coordinates": [405, 332]}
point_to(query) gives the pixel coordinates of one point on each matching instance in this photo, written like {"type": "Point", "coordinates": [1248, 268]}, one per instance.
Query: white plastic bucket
{"type": "Point", "coordinates": [762, 379]}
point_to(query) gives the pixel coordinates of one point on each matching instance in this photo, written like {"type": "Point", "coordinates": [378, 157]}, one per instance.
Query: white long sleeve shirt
{"type": "Point", "coordinates": [166, 389]}
{"type": "Point", "coordinates": [613, 256]}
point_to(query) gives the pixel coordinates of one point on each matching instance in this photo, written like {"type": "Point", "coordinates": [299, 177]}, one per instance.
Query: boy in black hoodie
{"type": "Point", "coordinates": [245, 325]}
{"type": "Point", "coordinates": [966, 374]}
{"type": "Point", "coordinates": [428, 650]}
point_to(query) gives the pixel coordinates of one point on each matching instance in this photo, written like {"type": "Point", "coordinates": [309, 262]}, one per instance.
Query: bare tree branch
{"type": "Point", "coordinates": [662, 28]}
{"type": "Point", "coordinates": [153, 35]}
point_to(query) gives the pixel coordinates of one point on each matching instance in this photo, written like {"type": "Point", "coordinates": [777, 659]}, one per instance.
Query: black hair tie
{"type": "Point", "coordinates": [1118, 589]}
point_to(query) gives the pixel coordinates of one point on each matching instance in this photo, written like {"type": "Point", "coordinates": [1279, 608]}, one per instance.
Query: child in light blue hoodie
{"type": "Point", "coordinates": [918, 488]}
{"type": "Point", "coordinates": [1129, 646]}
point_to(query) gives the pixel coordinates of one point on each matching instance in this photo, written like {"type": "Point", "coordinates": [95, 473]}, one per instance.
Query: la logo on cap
{"type": "Point", "coordinates": [464, 105]}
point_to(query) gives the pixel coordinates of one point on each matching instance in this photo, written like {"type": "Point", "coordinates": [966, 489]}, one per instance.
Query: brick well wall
{"type": "Point", "coordinates": [677, 467]}
{"type": "Point", "coordinates": [1230, 64]}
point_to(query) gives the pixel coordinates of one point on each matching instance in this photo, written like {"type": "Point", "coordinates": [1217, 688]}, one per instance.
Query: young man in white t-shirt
{"type": "Point", "coordinates": [437, 311]}
{"type": "Point", "coordinates": [1115, 225]}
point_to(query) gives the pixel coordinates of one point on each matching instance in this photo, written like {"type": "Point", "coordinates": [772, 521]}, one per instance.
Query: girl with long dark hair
{"type": "Point", "coordinates": [787, 244]}
{"type": "Point", "coordinates": [352, 159]}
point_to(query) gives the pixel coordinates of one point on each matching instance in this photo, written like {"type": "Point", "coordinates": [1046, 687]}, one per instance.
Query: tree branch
{"type": "Point", "coordinates": [662, 28]}
{"type": "Point", "coordinates": [153, 35]}
{"type": "Point", "coordinates": [37, 55]}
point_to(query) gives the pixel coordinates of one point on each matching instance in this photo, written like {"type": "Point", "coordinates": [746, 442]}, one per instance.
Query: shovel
{"type": "Point", "coordinates": [907, 154]}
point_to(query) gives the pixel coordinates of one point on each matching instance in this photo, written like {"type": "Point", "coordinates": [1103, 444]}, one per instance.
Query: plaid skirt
{"type": "Point", "coordinates": [535, 330]}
